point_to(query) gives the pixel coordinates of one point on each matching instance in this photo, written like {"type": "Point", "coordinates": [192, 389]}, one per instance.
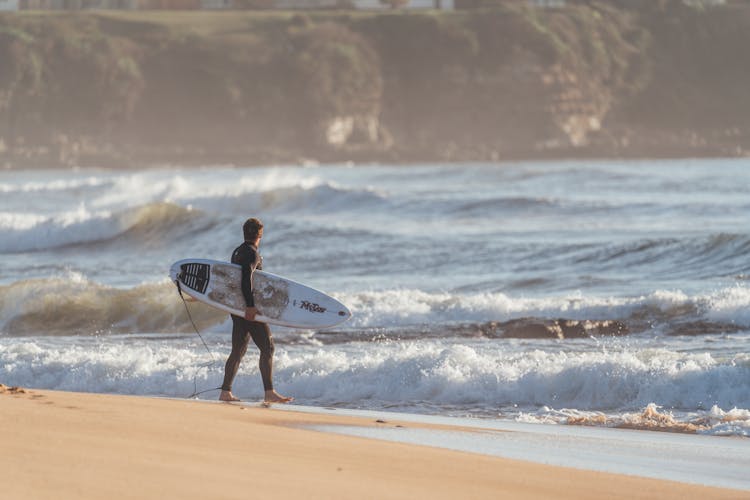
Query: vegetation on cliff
{"type": "Point", "coordinates": [254, 87]}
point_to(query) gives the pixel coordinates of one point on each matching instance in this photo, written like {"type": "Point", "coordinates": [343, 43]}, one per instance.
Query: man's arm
{"type": "Point", "coordinates": [248, 264]}
{"type": "Point", "coordinates": [247, 286]}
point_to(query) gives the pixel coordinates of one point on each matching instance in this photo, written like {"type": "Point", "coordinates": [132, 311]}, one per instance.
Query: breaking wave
{"type": "Point", "coordinates": [724, 310]}
{"type": "Point", "coordinates": [73, 305]}
{"type": "Point", "coordinates": [316, 198]}
{"type": "Point", "coordinates": [163, 220]}
{"type": "Point", "coordinates": [717, 422]}
{"type": "Point", "coordinates": [638, 387]}
{"type": "Point", "coordinates": [24, 232]}
{"type": "Point", "coordinates": [56, 185]}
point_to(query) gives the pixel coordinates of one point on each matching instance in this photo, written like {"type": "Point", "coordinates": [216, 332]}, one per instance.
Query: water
{"type": "Point", "coordinates": [696, 459]}
{"type": "Point", "coordinates": [598, 293]}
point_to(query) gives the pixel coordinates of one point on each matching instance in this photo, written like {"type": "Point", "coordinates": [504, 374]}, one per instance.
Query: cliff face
{"type": "Point", "coordinates": [259, 87]}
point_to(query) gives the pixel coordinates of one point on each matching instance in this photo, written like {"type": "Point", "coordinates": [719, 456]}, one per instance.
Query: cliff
{"type": "Point", "coordinates": [509, 82]}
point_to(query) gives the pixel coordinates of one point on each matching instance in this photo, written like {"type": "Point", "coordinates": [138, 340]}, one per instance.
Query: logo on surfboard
{"type": "Point", "coordinates": [310, 306]}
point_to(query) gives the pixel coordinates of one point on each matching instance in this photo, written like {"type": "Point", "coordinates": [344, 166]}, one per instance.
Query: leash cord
{"type": "Point", "coordinates": [213, 359]}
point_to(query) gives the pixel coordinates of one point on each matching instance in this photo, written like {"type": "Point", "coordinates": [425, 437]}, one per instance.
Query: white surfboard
{"type": "Point", "coordinates": [280, 301]}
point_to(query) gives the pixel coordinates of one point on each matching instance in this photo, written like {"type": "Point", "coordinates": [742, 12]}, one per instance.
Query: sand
{"type": "Point", "coordinates": [73, 445]}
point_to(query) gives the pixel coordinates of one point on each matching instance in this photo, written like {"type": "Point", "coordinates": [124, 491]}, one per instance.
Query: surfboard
{"type": "Point", "coordinates": [280, 301]}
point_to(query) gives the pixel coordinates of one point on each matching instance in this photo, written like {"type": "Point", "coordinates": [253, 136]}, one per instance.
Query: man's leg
{"type": "Point", "coordinates": [261, 335]}
{"type": "Point", "coordinates": [240, 339]}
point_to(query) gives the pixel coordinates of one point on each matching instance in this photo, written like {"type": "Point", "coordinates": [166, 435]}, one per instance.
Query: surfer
{"type": "Point", "coordinates": [247, 256]}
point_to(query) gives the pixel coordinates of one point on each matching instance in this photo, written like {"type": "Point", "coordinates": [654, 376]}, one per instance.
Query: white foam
{"type": "Point", "coordinates": [20, 232]}
{"type": "Point", "coordinates": [11, 221]}
{"type": "Point", "coordinates": [730, 305]}
{"type": "Point", "coordinates": [414, 307]}
{"type": "Point", "coordinates": [223, 191]}
{"type": "Point", "coordinates": [475, 376]}
{"type": "Point", "coordinates": [487, 377]}
{"type": "Point", "coordinates": [53, 185]}
{"type": "Point", "coordinates": [734, 422]}
{"type": "Point", "coordinates": [24, 231]}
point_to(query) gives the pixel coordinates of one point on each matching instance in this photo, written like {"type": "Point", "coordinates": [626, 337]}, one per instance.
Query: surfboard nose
{"type": "Point", "coordinates": [344, 312]}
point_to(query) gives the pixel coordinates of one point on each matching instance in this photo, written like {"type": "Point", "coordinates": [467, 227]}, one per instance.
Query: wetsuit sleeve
{"type": "Point", "coordinates": [247, 287]}
{"type": "Point", "coordinates": [247, 259]}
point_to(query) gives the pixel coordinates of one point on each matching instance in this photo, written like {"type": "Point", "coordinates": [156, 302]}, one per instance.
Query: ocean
{"type": "Point", "coordinates": [605, 293]}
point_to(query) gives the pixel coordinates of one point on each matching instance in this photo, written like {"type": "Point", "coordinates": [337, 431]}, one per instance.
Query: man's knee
{"type": "Point", "coordinates": [242, 351]}
{"type": "Point", "coordinates": [268, 349]}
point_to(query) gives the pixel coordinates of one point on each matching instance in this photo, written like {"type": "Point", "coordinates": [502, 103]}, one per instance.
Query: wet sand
{"type": "Point", "coordinates": [75, 445]}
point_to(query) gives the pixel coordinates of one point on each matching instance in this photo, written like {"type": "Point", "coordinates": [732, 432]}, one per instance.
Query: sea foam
{"type": "Point", "coordinates": [480, 378]}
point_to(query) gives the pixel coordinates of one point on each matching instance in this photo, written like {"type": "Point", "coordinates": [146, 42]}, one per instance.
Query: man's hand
{"type": "Point", "coordinates": [250, 313]}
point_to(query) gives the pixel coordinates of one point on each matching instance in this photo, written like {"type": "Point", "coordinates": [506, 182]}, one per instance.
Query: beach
{"type": "Point", "coordinates": [76, 445]}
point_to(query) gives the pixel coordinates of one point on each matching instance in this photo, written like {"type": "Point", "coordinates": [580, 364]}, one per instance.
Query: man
{"type": "Point", "coordinates": [247, 256]}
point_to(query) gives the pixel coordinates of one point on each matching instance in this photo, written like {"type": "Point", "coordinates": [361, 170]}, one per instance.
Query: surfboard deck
{"type": "Point", "coordinates": [280, 301]}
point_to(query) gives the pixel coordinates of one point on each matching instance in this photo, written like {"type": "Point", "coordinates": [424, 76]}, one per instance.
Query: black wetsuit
{"type": "Point", "coordinates": [247, 256]}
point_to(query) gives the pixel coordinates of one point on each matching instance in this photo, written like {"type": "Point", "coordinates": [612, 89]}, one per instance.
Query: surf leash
{"type": "Point", "coordinates": [190, 317]}
{"type": "Point", "coordinates": [213, 359]}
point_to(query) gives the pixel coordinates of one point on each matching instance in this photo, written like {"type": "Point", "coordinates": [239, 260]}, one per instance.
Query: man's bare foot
{"type": "Point", "coordinates": [274, 397]}
{"type": "Point", "coordinates": [227, 396]}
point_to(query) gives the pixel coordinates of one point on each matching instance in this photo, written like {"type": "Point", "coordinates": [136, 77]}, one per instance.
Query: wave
{"type": "Point", "coordinates": [227, 191]}
{"type": "Point", "coordinates": [494, 378]}
{"type": "Point", "coordinates": [606, 387]}
{"type": "Point", "coordinates": [516, 206]}
{"type": "Point", "coordinates": [156, 221]}
{"type": "Point", "coordinates": [73, 305]}
{"type": "Point", "coordinates": [724, 310]}
{"type": "Point", "coordinates": [716, 422]}
{"type": "Point", "coordinates": [721, 254]}
{"type": "Point", "coordinates": [162, 198]}
{"type": "Point", "coordinates": [56, 185]}
{"type": "Point", "coordinates": [307, 198]}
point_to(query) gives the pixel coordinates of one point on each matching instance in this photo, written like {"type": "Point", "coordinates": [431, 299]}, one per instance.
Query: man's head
{"type": "Point", "coordinates": [253, 230]}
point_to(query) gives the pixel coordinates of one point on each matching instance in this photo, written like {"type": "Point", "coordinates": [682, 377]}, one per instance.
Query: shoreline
{"type": "Point", "coordinates": [61, 444]}
{"type": "Point", "coordinates": [685, 457]}
{"type": "Point", "coordinates": [240, 163]}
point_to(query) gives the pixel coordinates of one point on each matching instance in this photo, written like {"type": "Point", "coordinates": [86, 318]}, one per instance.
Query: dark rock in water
{"type": "Point", "coordinates": [701, 328]}
{"type": "Point", "coordinates": [531, 328]}
{"type": "Point", "coordinates": [592, 328]}
{"type": "Point", "coordinates": [539, 328]}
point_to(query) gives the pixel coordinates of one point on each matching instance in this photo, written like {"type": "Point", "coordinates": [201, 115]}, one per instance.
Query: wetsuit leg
{"type": "Point", "coordinates": [240, 339]}
{"type": "Point", "coordinates": [262, 337]}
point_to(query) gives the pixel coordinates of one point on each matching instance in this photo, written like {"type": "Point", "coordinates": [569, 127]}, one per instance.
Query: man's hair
{"type": "Point", "coordinates": [251, 228]}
